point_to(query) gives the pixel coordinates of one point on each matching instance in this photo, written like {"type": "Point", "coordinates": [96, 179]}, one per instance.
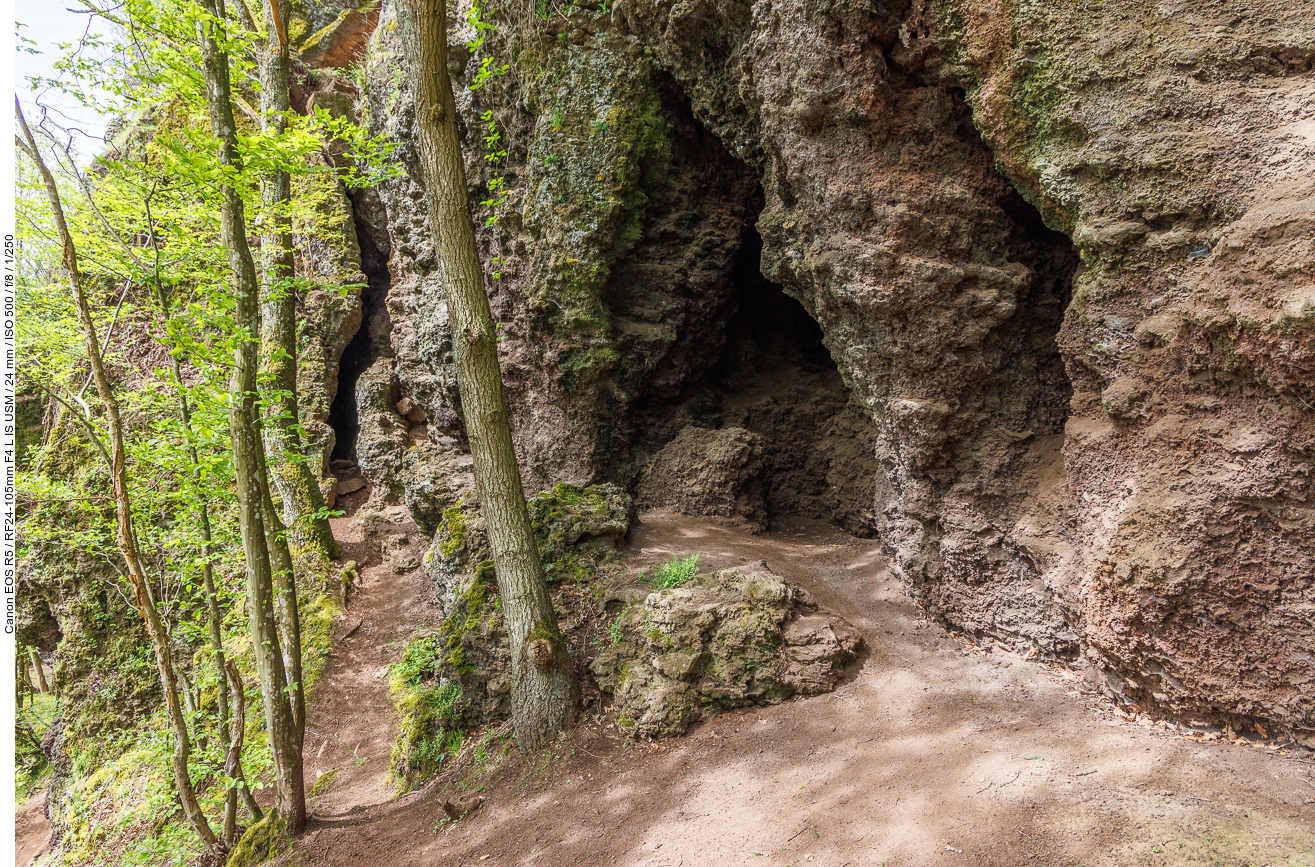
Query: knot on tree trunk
{"type": "Point", "coordinates": [540, 651]}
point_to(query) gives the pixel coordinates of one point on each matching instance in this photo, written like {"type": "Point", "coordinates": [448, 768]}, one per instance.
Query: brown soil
{"type": "Point", "coordinates": [350, 720]}
{"type": "Point", "coordinates": [935, 751]}
{"type": "Point", "coordinates": [31, 830]}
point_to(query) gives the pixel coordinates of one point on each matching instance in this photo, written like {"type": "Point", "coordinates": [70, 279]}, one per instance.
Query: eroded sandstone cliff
{"type": "Point", "coordinates": [1060, 258]}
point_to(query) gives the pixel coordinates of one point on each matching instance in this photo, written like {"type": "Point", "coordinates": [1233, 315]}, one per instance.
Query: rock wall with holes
{"type": "Point", "coordinates": [1174, 142]}
{"type": "Point", "coordinates": [1051, 273]}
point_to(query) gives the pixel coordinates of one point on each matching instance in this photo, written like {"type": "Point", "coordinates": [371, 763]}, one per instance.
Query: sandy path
{"type": "Point", "coordinates": [351, 723]}
{"type": "Point", "coordinates": [932, 753]}
{"type": "Point", "coordinates": [31, 830]}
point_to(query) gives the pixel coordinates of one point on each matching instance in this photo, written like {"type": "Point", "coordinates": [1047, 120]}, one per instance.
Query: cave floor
{"type": "Point", "coordinates": [935, 751]}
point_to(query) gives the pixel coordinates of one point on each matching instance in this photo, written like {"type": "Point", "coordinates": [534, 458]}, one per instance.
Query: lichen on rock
{"type": "Point", "coordinates": [725, 639]}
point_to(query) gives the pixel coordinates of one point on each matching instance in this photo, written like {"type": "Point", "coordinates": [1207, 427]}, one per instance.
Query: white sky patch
{"type": "Point", "coordinates": [56, 28]}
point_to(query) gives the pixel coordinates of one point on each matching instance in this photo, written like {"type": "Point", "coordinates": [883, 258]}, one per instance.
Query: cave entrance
{"type": "Point", "coordinates": [777, 379]}
{"type": "Point", "coordinates": [362, 350]}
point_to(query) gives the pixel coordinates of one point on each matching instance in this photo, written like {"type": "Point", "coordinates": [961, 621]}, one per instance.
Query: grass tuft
{"type": "Point", "coordinates": [673, 573]}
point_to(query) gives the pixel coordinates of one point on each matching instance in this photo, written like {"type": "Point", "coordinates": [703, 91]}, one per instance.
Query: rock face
{"type": "Point", "coordinates": [735, 637]}
{"type": "Point", "coordinates": [571, 524]}
{"type": "Point", "coordinates": [1173, 143]}
{"type": "Point", "coordinates": [707, 472]}
{"type": "Point", "coordinates": [938, 290]}
{"type": "Point", "coordinates": [1059, 261]}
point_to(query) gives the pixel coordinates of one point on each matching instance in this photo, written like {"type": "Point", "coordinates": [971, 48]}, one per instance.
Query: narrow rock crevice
{"type": "Point", "coordinates": [365, 346]}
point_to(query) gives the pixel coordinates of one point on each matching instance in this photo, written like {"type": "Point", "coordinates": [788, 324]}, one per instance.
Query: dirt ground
{"type": "Point", "coordinates": [936, 751]}
{"type": "Point", "coordinates": [350, 722]}
{"type": "Point", "coordinates": [31, 830]}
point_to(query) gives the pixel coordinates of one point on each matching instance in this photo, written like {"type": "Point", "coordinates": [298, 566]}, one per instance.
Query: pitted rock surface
{"type": "Point", "coordinates": [725, 639]}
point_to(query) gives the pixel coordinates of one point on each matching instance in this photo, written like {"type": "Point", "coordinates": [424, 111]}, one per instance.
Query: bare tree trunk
{"type": "Point", "coordinates": [233, 759]}
{"type": "Point", "coordinates": [545, 695]}
{"type": "Point", "coordinates": [41, 674]}
{"type": "Point", "coordinates": [252, 487]}
{"type": "Point", "coordinates": [302, 525]}
{"type": "Point", "coordinates": [298, 486]}
{"type": "Point", "coordinates": [288, 620]}
{"type": "Point", "coordinates": [24, 681]}
{"type": "Point", "coordinates": [123, 510]}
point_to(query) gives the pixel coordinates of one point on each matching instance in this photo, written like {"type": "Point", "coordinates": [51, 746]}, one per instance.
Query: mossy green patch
{"type": "Point", "coordinates": [601, 126]}
{"type": "Point", "coordinates": [452, 532]}
{"type": "Point", "coordinates": [426, 684]}
{"type": "Point", "coordinates": [264, 840]}
{"type": "Point", "coordinates": [570, 518]}
{"type": "Point", "coordinates": [427, 735]}
{"type": "Point", "coordinates": [323, 784]}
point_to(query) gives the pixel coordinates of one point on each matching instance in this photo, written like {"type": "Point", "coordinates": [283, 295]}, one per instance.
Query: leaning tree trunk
{"type": "Point", "coordinates": [214, 614]}
{"type": "Point", "coordinates": [127, 539]}
{"type": "Point", "coordinates": [298, 486]}
{"type": "Point", "coordinates": [248, 468]}
{"type": "Point", "coordinates": [41, 674]}
{"type": "Point", "coordinates": [545, 694]}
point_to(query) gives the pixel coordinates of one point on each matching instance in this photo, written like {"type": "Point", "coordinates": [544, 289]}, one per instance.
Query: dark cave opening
{"type": "Point", "coordinates": [361, 350]}
{"type": "Point", "coordinates": [768, 329]}
{"type": "Point", "coordinates": [758, 364]}
{"type": "Point", "coordinates": [748, 361]}
{"type": "Point", "coordinates": [777, 379]}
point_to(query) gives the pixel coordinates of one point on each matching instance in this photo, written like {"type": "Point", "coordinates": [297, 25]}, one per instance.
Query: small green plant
{"type": "Point", "coordinates": [614, 631]}
{"type": "Point", "coordinates": [552, 159]}
{"type": "Point", "coordinates": [489, 68]}
{"type": "Point", "coordinates": [557, 120]}
{"type": "Point", "coordinates": [599, 127]}
{"type": "Point", "coordinates": [420, 661]}
{"type": "Point", "coordinates": [673, 573]}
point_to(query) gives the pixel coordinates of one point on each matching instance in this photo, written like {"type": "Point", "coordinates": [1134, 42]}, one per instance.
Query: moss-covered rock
{"type": "Point", "coordinates": [455, 679]}
{"type": "Point", "coordinates": [264, 840]}
{"type": "Point", "coordinates": [570, 520]}
{"type": "Point", "coordinates": [460, 677]}
{"type": "Point", "coordinates": [735, 637]}
{"type": "Point", "coordinates": [323, 783]}
{"type": "Point", "coordinates": [427, 734]}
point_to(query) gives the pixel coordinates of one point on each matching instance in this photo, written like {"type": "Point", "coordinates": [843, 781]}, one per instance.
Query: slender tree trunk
{"type": "Point", "coordinates": [288, 620]}
{"type": "Point", "coordinates": [24, 681]}
{"type": "Point", "coordinates": [545, 695]}
{"type": "Point", "coordinates": [298, 486]}
{"type": "Point", "coordinates": [247, 452]}
{"type": "Point", "coordinates": [233, 759]}
{"type": "Point", "coordinates": [215, 616]}
{"type": "Point", "coordinates": [123, 510]}
{"type": "Point", "coordinates": [41, 674]}
{"type": "Point", "coordinates": [302, 525]}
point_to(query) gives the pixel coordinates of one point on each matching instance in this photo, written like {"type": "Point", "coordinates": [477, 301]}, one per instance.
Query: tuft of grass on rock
{"type": "Point", "coordinates": [673, 573]}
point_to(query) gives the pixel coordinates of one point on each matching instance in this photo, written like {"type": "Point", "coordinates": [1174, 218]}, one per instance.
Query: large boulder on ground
{"type": "Point", "coordinates": [596, 517]}
{"type": "Point", "coordinates": [735, 637]}
{"type": "Point", "coordinates": [573, 525]}
{"type": "Point", "coordinates": [708, 472]}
